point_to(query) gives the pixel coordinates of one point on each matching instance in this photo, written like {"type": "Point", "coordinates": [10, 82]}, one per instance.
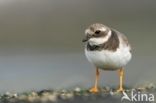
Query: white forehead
{"type": "Point", "coordinates": [89, 31]}
{"type": "Point", "coordinates": [102, 29]}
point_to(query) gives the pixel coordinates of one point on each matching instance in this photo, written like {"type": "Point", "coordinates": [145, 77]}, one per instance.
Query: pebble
{"type": "Point", "coordinates": [48, 96]}
{"type": "Point", "coordinates": [77, 89]}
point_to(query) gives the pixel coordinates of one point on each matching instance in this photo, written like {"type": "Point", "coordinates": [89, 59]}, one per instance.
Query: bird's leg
{"type": "Point", "coordinates": [95, 88]}
{"type": "Point", "coordinates": [121, 76]}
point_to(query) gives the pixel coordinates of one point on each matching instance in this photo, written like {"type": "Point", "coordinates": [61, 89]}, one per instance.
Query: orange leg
{"type": "Point", "coordinates": [121, 75]}
{"type": "Point", "coordinates": [95, 88]}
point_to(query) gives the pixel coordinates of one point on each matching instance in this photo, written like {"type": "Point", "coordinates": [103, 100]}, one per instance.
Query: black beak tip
{"type": "Point", "coordinates": [84, 40]}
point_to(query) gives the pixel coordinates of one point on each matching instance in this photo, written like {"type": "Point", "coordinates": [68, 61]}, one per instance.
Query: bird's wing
{"type": "Point", "coordinates": [124, 38]}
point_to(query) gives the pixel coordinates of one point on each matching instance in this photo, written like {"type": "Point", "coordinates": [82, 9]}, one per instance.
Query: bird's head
{"type": "Point", "coordinates": [97, 34]}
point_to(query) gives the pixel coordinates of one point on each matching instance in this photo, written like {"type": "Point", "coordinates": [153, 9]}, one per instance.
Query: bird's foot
{"type": "Point", "coordinates": [94, 90]}
{"type": "Point", "coordinates": [120, 90]}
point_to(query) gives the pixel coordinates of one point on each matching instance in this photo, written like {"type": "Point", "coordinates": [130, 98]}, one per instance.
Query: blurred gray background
{"type": "Point", "coordinates": [41, 48]}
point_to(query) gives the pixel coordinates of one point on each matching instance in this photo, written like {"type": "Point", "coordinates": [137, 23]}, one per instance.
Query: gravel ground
{"type": "Point", "coordinates": [77, 95]}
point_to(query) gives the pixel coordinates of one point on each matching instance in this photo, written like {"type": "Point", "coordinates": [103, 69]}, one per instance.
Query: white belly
{"type": "Point", "coordinates": [109, 60]}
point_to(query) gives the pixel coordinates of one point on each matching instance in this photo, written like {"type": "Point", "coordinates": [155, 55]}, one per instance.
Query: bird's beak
{"type": "Point", "coordinates": [85, 39]}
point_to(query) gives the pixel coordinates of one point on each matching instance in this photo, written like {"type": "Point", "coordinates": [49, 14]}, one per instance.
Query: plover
{"type": "Point", "coordinates": [107, 49]}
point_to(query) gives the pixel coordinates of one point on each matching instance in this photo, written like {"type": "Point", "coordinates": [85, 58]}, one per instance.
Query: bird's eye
{"type": "Point", "coordinates": [97, 32]}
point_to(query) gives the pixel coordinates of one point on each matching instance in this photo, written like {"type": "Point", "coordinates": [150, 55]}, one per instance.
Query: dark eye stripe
{"type": "Point", "coordinates": [97, 32]}
{"type": "Point", "coordinates": [101, 34]}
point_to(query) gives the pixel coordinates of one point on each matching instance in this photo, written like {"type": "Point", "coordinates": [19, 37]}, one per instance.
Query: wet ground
{"type": "Point", "coordinates": [79, 95]}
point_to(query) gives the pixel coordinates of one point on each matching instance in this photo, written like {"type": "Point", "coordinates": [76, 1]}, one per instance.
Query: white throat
{"type": "Point", "coordinates": [101, 40]}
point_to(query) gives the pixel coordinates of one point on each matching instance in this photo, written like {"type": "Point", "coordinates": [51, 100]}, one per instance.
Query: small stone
{"type": "Point", "coordinates": [77, 89]}
{"type": "Point", "coordinates": [10, 96]}
{"type": "Point", "coordinates": [141, 89]}
{"type": "Point", "coordinates": [15, 95]}
{"type": "Point", "coordinates": [8, 93]}
{"type": "Point", "coordinates": [111, 93]}
{"type": "Point", "coordinates": [52, 98]}
{"type": "Point", "coordinates": [69, 95]}
{"type": "Point", "coordinates": [127, 90]}
{"type": "Point", "coordinates": [34, 94]}
{"type": "Point", "coordinates": [44, 91]}
{"type": "Point", "coordinates": [151, 86]}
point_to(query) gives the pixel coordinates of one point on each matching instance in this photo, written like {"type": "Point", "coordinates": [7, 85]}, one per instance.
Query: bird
{"type": "Point", "coordinates": [107, 49]}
